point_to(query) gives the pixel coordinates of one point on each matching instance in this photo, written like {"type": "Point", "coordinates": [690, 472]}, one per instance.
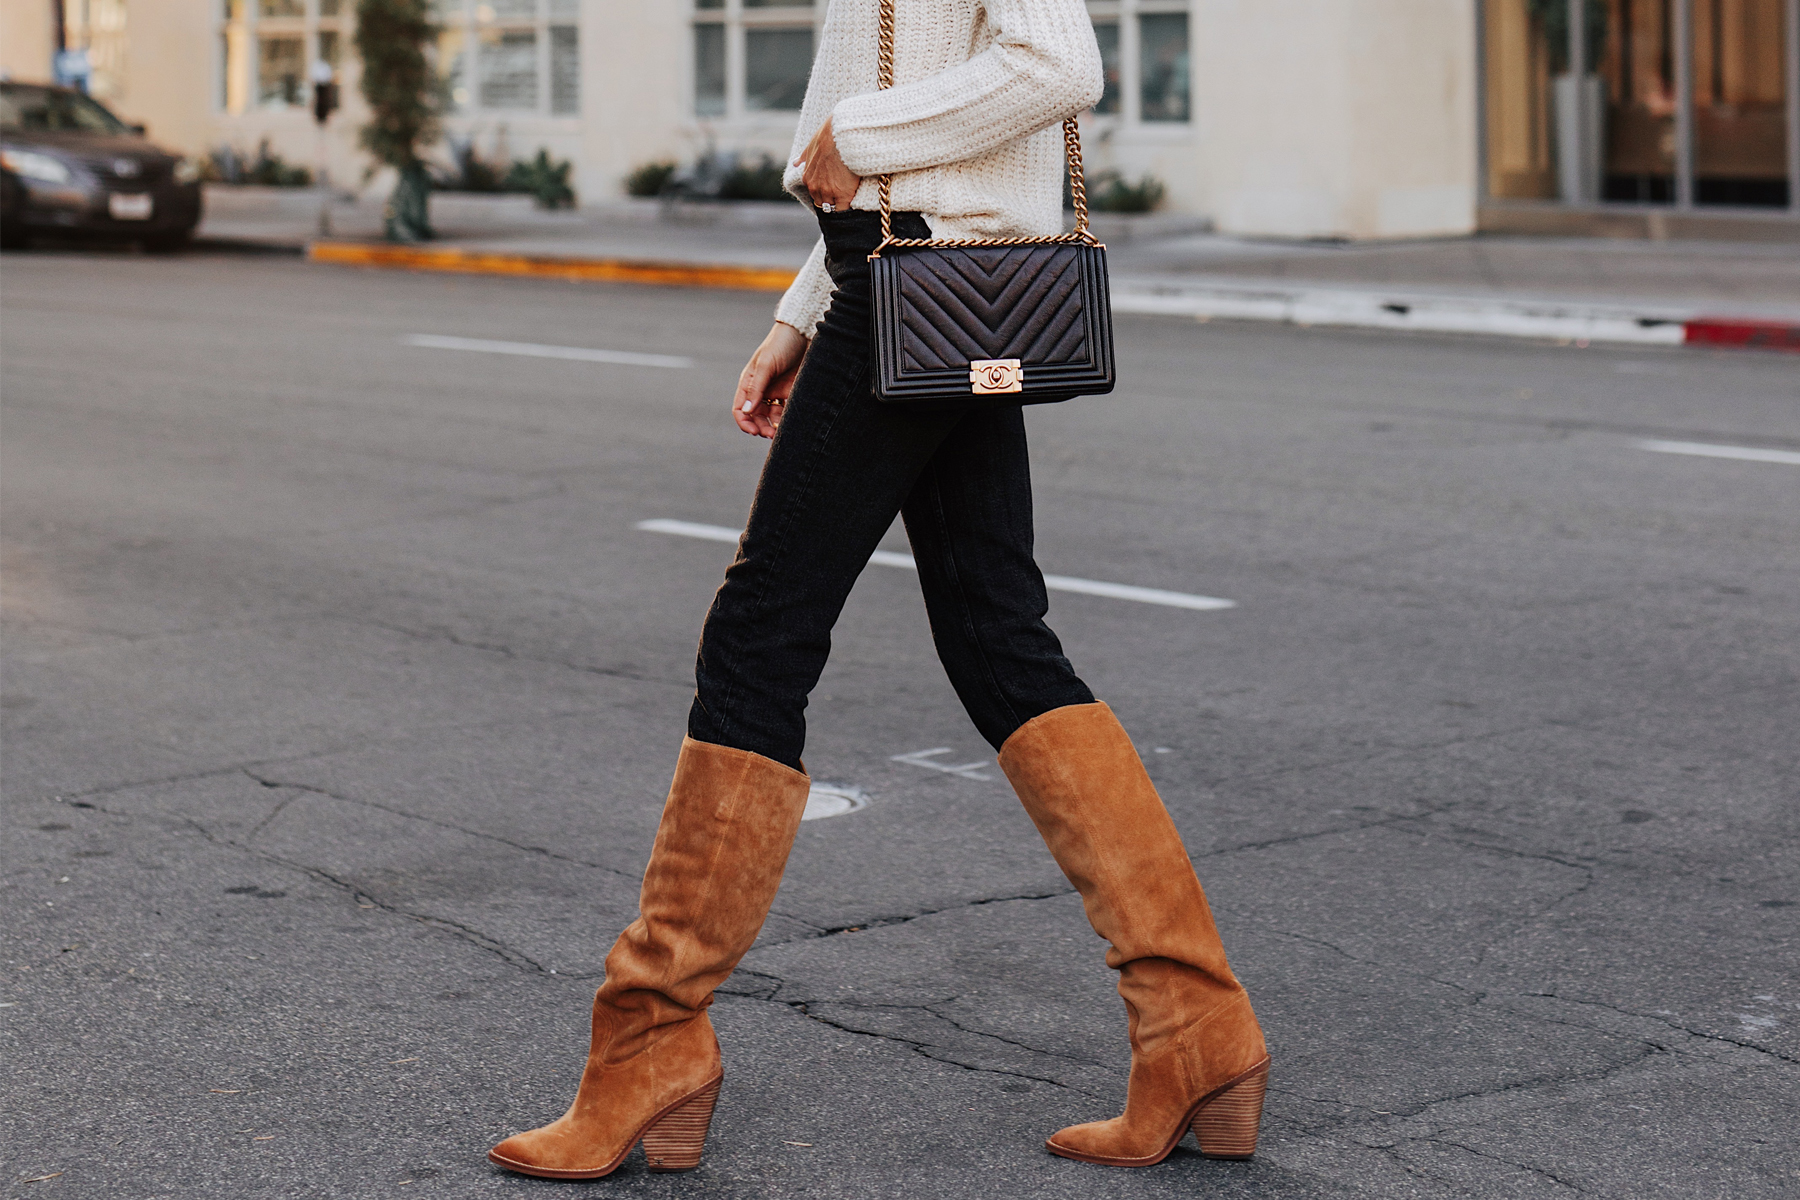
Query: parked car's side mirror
{"type": "Point", "coordinates": [140, 128]}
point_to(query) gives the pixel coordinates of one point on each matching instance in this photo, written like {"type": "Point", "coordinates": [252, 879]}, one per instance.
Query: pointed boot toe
{"type": "Point", "coordinates": [1109, 1143]}
{"type": "Point", "coordinates": [546, 1152]}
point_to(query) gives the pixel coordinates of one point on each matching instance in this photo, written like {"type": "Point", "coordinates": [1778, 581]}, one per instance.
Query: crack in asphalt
{"type": "Point", "coordinates": [439, 634]}
{"type": "Point", "coordinates": [931, 1007]}
{"type": "Point", "coordinates": [889, 922]}
{"type": "Point", "coordinates": [467, 933]}
{"type": "Point", "coordinates": [1439, 1140]}
{"type": "Point", "coordinates": [925, 1049]}
{"type": "Point", "coordinates": [1392, 1153]}
{"type": "Point", "coordinates": [111, 789]}
{"type": "Point", "coordinates": [1373, 962]}
{"type": "Point", "coordinates": [1662, 1020]}
{"type": "Point", "coordinates": [522, 847]}
{"type": "Point", "coordinates": [960, 1027]}
{"type": "Point", "coordinates": [1552, 1079]}
{"type": "Point", "coordinates": [270, 816]}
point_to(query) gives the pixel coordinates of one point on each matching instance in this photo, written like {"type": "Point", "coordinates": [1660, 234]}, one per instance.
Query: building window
{"type": "Point", "coordinates": [518, 56]}
{"type": "Point", "coordinates": [752, 56]}
{"type": "Point", "coordinates": [1144, 53]}
{"type": "Point", "coordinates": [267, 49]}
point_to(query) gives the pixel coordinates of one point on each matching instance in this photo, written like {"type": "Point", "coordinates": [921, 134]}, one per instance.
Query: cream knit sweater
{"type": "Point", "coordinates": [971, 128]}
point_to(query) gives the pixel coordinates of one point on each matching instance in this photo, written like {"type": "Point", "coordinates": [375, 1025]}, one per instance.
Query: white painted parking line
{"type": "Point", "coordinates": [922, 758]}
{"type": "Point", "coordinates": [1142, 595]}
{"type": "Point", "coordinates": [1708, 450]}
{"type": "Point", "coordinates": [624, 358]}
{"type": "Point", "coordinates": [691, 529]}
{"type": "Point", "coordinates": [889, 558]}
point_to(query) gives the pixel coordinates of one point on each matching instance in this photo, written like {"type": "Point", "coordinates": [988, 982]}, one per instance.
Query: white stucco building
{"type": "Point", "coordinates": [1292, 118]}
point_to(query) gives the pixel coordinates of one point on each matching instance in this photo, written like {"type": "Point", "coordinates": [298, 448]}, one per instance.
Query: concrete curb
{"type": "Point", "coordinates": [1541, 319]}
{"type": "Point", "coordinates": [1425, 312]}
{"type": "Point", "coordinates": [592, 270]}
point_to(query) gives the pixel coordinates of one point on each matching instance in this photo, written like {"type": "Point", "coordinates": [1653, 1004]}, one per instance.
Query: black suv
{"type": "Point", "coordinates": [69, 168]}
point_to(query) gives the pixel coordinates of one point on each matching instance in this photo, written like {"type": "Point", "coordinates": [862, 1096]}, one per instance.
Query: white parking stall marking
{"type": "Point", "coordinates": [922, 758]}
{"type": "Point", "coordinates": [1709, 450]}
{"type": "Point", "coordinates": [890, 558]}
{"type": "Point", "coordinates": [624, 358]}
{"type": "Point", "coordinates": [1143, 595]}
{"type": "Point", "coordinates": [692, 529]}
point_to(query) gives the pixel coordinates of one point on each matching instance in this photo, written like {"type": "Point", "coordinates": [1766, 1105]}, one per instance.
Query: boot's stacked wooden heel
{"type": "Point", "coordinates": [1228, 1120]}
{"type": "Point", "coordinates": [674, 1141]}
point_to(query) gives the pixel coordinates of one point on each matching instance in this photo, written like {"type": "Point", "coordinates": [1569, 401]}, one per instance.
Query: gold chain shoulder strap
{"type": "Point", "coordinates": [1071, 146]}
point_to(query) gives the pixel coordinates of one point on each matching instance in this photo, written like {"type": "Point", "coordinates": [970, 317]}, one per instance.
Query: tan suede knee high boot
{"type": "Point", "coordinates": [1197, 1054]}
{"type": "Point", "coordinates": [653, 1067]}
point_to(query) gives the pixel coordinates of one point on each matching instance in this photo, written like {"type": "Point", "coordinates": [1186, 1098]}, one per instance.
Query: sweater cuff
{"type": "Point", "coordinates": [803, 305]}
{"type": "Point", "coordinates": [860, 133]}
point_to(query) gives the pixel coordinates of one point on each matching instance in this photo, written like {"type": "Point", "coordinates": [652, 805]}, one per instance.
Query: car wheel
{"type": "Point", "coordinates": [12, 238]}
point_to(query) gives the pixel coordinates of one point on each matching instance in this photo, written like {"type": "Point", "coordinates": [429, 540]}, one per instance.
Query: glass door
{"type": "Point", "coordinates": [1740, 103]}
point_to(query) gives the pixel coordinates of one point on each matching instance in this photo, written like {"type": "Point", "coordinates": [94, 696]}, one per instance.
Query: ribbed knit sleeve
{"type": "Point", "coordinates": [803, 305]}
{"type": "Point", "coordinates": [1042, 65]}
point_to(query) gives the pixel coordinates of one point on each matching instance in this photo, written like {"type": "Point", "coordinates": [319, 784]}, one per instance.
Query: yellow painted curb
{"type": "Point", "coordinates": [590, 270]}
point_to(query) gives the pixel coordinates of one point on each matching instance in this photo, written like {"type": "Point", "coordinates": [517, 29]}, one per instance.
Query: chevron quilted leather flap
{"type": "Point", "coordinates": [987, 303]}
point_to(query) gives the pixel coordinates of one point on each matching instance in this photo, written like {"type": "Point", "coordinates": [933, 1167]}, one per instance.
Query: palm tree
{"type": "Point", "coordinates": [402, 91]}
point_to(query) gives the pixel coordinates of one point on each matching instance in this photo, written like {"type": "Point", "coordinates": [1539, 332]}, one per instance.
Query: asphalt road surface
{"type": "Point", "coordinates": [342, 692]}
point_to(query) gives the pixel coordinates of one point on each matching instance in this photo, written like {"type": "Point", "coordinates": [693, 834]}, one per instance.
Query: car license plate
{"type": "Point", "coordinates": [124, 207]}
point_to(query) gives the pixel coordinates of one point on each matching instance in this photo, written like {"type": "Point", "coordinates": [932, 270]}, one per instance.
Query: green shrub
{"type": "Point", "coordinates": [649, 179]}
{"type": "Point", "coordinates": [266, 168]}
{"type": "Point", "coordinates": [1108, 192]}
{"type": "Point", "coordinates": [759, 182]}
{"type": "Point", "coordinates": [469, 171]}
{"type": "Point", "coordinates": [544, 178]}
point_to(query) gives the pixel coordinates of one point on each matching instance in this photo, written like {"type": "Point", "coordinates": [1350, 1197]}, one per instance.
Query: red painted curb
{"type": "Point", "coordinates": [1742, 331]}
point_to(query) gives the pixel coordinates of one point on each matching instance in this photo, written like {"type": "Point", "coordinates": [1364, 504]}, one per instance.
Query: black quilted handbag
{"type": "Point", "coordinates": [1004, 320]}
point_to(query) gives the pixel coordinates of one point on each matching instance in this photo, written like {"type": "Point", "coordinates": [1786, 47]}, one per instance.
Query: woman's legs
{"type": "Point", "coordinates": [838, 471]}
{"type": "Point", "coordinates": [969, 520]}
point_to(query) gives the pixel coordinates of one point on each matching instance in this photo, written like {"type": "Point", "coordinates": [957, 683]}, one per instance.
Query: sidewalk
{"type": "Point", "coordinates": [1556, 288]}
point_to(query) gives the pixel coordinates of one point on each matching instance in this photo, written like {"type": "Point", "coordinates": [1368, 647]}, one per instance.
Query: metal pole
{"type": "Point", "coordinates": [1793, 105]}
{"type": "Point", "coordinates": [1684, 103]}
{"type": "Point", "coordinates": [62, 26]}
{"type": "Point", "coordinates": [1577, 128]}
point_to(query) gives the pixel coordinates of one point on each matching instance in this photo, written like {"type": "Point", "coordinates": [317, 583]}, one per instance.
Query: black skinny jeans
{"type": "Point", "coordinates": [840, 467]}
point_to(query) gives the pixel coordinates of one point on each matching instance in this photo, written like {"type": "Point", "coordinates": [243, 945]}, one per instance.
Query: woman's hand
{"type": "Point", "coordinates": [768, 380]}
{"type": "Point", "coordinates": [827, 179]}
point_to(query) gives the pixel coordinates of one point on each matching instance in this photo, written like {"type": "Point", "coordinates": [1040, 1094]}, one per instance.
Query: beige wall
{"type": "Point", "coordinates": [1336, 118]}
{"type": "Point", "coordinates": [635, 85]}
{"type": "Point", "coordinates": [27, 39]}
{"type": "Point", "coordinates": [168, 78]}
